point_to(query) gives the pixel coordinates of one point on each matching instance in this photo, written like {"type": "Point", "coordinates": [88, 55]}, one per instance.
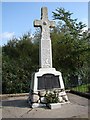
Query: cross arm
{"type": "Point", "coordinates": [37, 23]}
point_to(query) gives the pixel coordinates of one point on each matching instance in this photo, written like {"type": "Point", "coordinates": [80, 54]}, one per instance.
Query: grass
{"type": "Point", "coordinates": [82, 88]}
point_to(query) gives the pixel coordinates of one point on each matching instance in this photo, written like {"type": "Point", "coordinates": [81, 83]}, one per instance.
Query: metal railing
{"type": "Point", "coordinates": [78, 85]}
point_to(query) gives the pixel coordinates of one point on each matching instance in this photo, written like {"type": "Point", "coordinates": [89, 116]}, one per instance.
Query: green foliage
{"type": "Point", "coordinates": [20, 59]}
{"type": "Point", "coordinates": [89, 88]}
{"type": "Point", "coordinates": [82, 88]}
{"type": "Point", "coordinates": [70, 24]}
{"type": "Point", "coordinates": [71, 47]}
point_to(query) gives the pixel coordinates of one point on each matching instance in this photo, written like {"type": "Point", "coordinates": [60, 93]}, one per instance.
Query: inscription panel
{"type": "Point", "coordinates": [48, 81]}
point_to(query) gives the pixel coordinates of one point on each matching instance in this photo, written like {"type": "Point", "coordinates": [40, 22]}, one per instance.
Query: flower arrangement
{"type": "Point", "coordinates": [52, 97]}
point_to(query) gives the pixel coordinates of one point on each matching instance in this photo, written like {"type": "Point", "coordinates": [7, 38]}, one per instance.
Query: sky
{"type": "Point", "coordinates": [18, 17]}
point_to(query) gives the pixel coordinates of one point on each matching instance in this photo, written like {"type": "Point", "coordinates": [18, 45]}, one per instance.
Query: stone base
{"type": "Point", "coordinates": [45, 71]}
{"type": "Point", "coordinates": [54, 105]}
{"type": "Point", "coordinates": [37, 93]}
{"type": "Point", "coordinates": [38, 105]}
{"type": "Point", "coordinates": [65, 102]}
{"type": "Point", "coordinates": [38, 99]}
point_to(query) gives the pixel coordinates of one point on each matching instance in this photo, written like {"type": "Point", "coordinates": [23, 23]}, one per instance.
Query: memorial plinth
{"type": "Point", "coordinates": [47, 78]}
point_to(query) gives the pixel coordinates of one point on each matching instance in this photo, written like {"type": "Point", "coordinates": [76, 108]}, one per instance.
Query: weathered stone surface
{"type": "Point", "coordinates": [54, 105]}
{"type": "Point", "coordinates": [65, 98]}
{"type": "Point", "coordinates": [45, 44]}
{"type": "Point", "coordinates": [42, 93]}
{"type": "Point", "coordinates": [50, 91]}
{"type": "Point", "coordinates": [62, 93]}
{"type": "Point", "coordinates": [43, 100]}
{"type": "Point", "coordinates": [35, 98]}
{"type": "Point", "coordinates": [35, 92]}
{"type": "Point", "coordinates": [35, 105]}
{"type": "Point", "coordinates": [60, 99]}
{"type": "Point", "coordinates": [39, 101]}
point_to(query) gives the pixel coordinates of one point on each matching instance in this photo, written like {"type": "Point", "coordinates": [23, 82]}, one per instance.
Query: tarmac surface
{"type": "Point", "coordinates": [17, 107]}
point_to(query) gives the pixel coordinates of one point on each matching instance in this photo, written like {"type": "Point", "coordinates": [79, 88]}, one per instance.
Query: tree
{"type": "Point", "coordinates": [70, 44]}
{"type": "Point", "coordinates": [20, 59]}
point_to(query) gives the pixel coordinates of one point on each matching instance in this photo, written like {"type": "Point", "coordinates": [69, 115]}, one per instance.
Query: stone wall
{"type": "Point", "coordinates": [41, 96]}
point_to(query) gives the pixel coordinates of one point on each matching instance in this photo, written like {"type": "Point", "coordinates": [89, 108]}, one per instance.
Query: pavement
{"type": "Point", "coordinates": [17, 107]}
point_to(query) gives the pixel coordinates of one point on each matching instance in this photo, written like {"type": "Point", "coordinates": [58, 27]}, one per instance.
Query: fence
{"type": "Point", "coordinates": [76, 84]}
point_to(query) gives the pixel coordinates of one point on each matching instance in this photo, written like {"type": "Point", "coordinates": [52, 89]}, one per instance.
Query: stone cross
{"type": "Point", "coordinates": [45, 51]}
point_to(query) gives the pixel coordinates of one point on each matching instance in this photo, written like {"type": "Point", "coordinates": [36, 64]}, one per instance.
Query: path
{"type": "Point", "coordinates": [17, 107]}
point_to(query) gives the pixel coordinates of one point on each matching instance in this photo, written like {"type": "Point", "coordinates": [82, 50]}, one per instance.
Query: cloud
{"type": "Point", "coordinates": [4, 37]}
{"type": "Point", "coordinates": [7, 35]}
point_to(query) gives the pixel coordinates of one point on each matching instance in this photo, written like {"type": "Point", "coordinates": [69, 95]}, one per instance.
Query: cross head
{"type": "Point", "coordinates": [44, 23]}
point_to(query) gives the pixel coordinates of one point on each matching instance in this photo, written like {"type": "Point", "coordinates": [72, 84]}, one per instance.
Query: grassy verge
{"type": "Point", "coordinates": [82, 88]}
